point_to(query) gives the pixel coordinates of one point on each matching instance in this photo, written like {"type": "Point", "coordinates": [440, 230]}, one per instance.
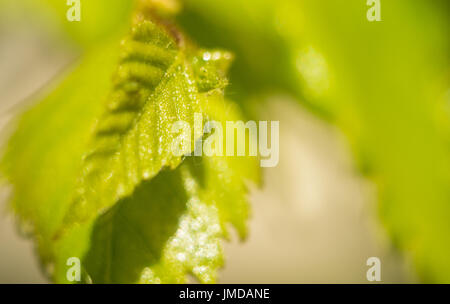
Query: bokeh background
{"type": "Point", "coordinates": [364, 131]}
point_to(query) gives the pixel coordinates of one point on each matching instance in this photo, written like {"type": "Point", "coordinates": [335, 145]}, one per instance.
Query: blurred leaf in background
{"type": "Point", "coordinates": [385, 84]}
{"type": "Point", "coordinates": [43, 155]}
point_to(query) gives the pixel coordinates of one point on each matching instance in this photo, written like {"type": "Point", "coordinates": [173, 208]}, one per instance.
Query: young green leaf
{"type": "Point", "coordinates": [132, 141]}
{"type": "Point", "coordinates": [99, 180]}
{"type": "Point", "coordinates": [172, 224]}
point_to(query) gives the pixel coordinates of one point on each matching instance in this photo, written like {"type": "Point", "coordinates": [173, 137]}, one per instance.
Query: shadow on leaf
{"type": "Point", "coordinates": [133, 233]}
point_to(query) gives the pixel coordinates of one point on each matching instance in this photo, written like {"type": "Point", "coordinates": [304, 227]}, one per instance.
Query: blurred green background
{"type": "Point", "coordinates": [333, 79]}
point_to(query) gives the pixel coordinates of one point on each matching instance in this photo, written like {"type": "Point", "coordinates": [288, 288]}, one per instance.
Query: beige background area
{"type": "Point", "coordinates": [313, 221]}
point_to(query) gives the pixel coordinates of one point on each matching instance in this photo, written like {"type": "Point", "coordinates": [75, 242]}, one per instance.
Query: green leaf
{"type": "Point", "coordinates": [42, 158]}
{"type": "Point", "coordinates": [173, 224]}
{"type": "Point", "coordinates": [133, 138]}
{"type": "Point", "coordinates": [159, 234]}
{"type": "Point", "coordinates": [88, 173]}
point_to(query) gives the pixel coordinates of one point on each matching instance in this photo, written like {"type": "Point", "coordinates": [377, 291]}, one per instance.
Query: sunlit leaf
{"type": "Point", "coordinates": [93, 162]}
